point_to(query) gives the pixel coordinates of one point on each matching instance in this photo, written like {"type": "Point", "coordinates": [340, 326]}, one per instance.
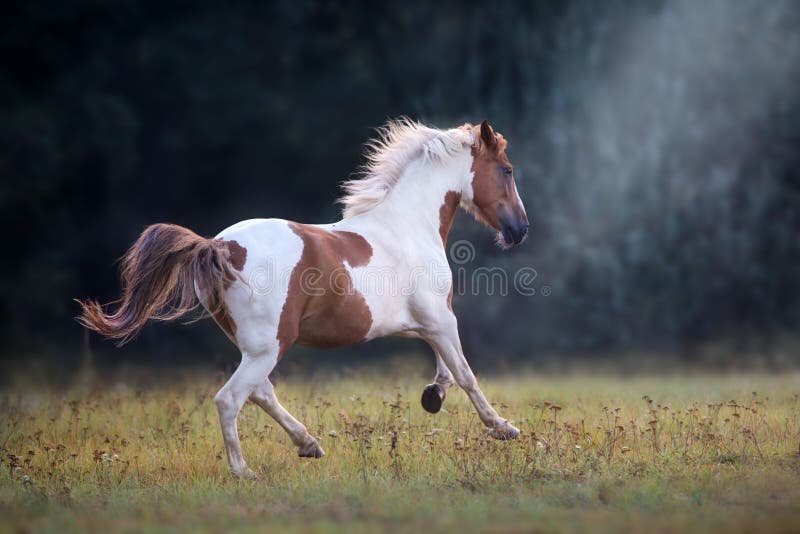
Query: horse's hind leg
{"type": "Point", "coordinates": [307, 446]}
{"type": "Point", "coordinates": [433, 395]}
{"type": "Point", "coordinates": [250, 374]}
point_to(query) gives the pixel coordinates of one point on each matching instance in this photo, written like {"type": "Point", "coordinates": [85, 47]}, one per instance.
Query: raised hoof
{"type": "Point", "coordinates": [432, 398]}
{"type": "Point", "coordinates": [312, 450]}
{"type": "Point", "coordinates": [504, 431]}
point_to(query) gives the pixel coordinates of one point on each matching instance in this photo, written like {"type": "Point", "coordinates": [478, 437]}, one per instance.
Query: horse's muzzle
{"type": "Point", "coordinates": [514, 234]}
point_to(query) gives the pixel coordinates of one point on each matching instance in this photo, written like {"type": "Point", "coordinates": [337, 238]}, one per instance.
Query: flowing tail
{"type": "Point", "coordinates": [158, 275]}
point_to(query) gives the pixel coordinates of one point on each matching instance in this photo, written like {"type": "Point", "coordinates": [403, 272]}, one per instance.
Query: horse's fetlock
{"type": "Point", "coordinates": [445, 381]}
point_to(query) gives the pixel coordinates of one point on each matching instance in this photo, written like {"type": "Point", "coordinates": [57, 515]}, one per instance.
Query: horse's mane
{"type": "Point", "coordinates": [399, 142]}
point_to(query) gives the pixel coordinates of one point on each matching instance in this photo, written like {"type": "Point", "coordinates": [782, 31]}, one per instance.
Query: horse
{"type": "Point", "coordinates": [272, 283]}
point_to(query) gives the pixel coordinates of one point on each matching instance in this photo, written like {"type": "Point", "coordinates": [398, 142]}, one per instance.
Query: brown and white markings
{"type": "Point", "coordinates": [271, 283]}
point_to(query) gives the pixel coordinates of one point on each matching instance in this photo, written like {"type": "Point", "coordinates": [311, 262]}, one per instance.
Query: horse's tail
{"type": "Point", "coordinates": [158, 275]}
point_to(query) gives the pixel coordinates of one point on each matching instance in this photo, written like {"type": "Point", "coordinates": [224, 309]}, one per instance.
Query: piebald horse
{"type": "Point", "coordinates": [396, 219]}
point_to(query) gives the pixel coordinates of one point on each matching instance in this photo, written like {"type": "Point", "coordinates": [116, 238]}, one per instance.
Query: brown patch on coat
{"type": "Point", "coordinates": [238, 255]}
{"type": "Point", "coordinates": [221, 316]}
{"type": "Point", "coordinates": [447, 212]}
{"type": "Point", "coordinates": [493, 191]}
{"type": "Point", "coordinates": [322, 307]}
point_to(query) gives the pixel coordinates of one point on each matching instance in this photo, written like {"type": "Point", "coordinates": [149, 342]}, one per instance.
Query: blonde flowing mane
{"type": "Point", "coordinates": [399, 143]}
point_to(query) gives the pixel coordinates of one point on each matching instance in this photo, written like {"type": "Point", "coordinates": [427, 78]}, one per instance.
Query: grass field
{"type": "Point", "coordinates": [700, 452]}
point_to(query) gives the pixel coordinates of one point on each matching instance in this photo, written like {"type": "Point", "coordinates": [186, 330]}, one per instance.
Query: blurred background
{"type": "Point", "coordinates": [657, 148]}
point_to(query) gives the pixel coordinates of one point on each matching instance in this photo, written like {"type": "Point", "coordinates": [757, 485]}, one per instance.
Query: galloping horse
{"type": "Point", "coordinates": [271, 283]}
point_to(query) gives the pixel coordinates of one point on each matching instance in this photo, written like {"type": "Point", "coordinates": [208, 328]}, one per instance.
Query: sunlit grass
{"type": "Point", "coordinates": [694, 452]}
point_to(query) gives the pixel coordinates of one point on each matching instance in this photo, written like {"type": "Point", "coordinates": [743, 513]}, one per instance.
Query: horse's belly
{"type": "Point", "coordinates": [347, 322]}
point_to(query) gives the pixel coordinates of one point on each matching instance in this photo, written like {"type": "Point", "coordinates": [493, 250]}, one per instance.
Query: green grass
{"type": "Point", "coordinates": [700, 452]}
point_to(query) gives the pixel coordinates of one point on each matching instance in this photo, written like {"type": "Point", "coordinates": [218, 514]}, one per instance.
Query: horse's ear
{"type": "Point", "coordinates": [487, 134]}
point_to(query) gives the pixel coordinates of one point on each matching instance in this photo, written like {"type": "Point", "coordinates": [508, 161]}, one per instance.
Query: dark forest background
{"type": "Point", "coordinates": [657, 147]}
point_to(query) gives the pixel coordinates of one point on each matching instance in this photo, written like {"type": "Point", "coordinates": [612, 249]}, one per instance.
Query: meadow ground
{"type": "Point", "coordinates": [600, 453]}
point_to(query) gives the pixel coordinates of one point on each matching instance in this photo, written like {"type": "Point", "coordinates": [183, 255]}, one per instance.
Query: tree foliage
{"type": "Point", "coordinates": [656, 144]}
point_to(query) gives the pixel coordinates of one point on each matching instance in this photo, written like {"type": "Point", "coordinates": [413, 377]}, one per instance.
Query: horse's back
{"type": "Point", "coordinates": [267, 242]}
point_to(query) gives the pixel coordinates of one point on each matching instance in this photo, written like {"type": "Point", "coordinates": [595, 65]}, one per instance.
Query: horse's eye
{"type": "Point", "coordinates": [508, 171]}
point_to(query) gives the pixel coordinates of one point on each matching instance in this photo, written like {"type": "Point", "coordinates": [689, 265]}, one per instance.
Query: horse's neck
{"type": "Point", "coordinates": [424, 200]}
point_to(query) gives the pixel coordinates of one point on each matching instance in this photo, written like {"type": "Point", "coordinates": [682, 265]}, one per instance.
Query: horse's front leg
{"type": "Point", "coordinates": [433, 395]}
{"type": "Point", "coordinates": [445, 341]}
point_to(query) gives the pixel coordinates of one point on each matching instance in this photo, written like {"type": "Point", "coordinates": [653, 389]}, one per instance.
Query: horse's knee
{"type": "Point", "coordinates": [224, 402]}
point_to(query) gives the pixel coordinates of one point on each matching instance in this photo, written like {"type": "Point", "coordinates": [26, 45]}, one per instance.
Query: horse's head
{"type": "Point", "coordinates": [494, 200]}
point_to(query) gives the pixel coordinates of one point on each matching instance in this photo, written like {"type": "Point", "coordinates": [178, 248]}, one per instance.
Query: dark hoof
{"type": "Point", "coordinates": [432, 398]}
{"type": "Point", "coordinates": [312, 450]}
